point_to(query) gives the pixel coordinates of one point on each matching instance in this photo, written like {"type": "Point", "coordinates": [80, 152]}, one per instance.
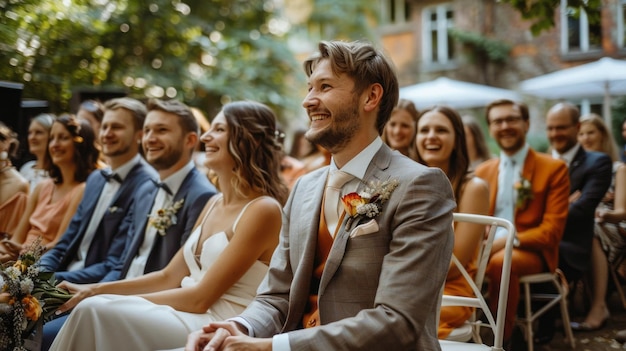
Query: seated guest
{"type": "Point", "coordinates": [362, 276]}
{"type": "Point", "coordinates": [216, 274]}
{"type": "Point", "coordinates": [95, 238]}
{"type": "Point", "coordinates": [91, 111]}
{"type": "Point", "coordinates": [164, 210]}
{"type": "Point", "coordinates": [441, 143]}
{"type": "Point", "coordinates": [609, 242]}
{"type": "Point", "coordinates": [159, 220]}
{"type": "Point", "coordinates": [476, 145]}
{"type": "Point", "coordinates": [73, 156]}
{"type": "Point", "coordinates": [13, 187]}
{"type": "Point", "coordinates": [38, 131]}
{"type": "Point", "coordinates": [400, 130]}
{"type": "Point", "coordinates": [529, 189]}
{"type": "Point", "coordinates": [590, 178]}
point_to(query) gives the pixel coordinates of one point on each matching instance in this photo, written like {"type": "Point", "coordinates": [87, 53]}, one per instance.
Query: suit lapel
{"type": "Point", "coordinates": [124, 187]}
{"type": "Point", "coordinates": [375, 172]}
{"type": "Point", "coordinates": [575, 169]}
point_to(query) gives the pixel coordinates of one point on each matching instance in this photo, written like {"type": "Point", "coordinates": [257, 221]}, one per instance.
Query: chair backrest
{"type": "Point", "coordinates": [479, 301]}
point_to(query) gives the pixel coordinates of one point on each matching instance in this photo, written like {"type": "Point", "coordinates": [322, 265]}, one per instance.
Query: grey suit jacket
{"type": "Point", "coordinates": [379, 290]}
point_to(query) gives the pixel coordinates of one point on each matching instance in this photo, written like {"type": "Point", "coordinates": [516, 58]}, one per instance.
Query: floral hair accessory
{"type": "Point", "coordinates": [78, 139]}
{"type": "Point", "coordinates": [524, 192]}
{"type": "Point", "coordinates": [369, 202]}
{"type": "Point", "coordinates": [165, 217]}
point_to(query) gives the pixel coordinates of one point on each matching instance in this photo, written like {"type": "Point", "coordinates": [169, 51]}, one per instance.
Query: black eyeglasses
{"type": "Point", "coordinates": [499, 122]}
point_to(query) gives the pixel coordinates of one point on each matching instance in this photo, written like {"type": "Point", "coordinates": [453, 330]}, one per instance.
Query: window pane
{"type": "Point", "coordinates": [434, 45]}
{"type": "Point", "coordinates": [573, 32]}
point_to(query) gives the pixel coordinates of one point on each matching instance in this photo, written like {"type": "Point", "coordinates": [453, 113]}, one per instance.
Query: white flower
{"type": "Point", "coordinates": [27, 286]}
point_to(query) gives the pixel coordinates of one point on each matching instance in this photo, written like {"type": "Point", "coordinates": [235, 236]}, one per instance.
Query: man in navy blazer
{"type": "Point", "coordinates": [95, 238]}
{"type": "Point", "coordinates": [170, 134]}
{"type": "Point", "coordinates": [165, 209]}
{"type": "Point", "coordinates": [590, 177]}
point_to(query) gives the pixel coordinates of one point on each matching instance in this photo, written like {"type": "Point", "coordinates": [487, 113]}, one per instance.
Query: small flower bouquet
{"type": "Point", "coordinates": [369, 202]}
{"type": "Point", "coordinates": [26, 296]}
{"type": "Point", "coordinates": [524, 192]}
{"type": "Point", "coordinates": [165, 217]}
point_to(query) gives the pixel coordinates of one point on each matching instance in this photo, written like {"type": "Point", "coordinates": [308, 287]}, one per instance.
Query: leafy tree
{"type": "Point", "coordinates": [205, 52]}
{"type": "Point", "coordinates": [542, 12]}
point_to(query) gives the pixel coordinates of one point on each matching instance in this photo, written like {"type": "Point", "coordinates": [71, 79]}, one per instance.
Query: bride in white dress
{"type": "Point", "coordinates": [214, 276]}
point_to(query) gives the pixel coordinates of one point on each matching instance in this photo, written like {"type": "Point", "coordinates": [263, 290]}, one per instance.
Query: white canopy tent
{"type": "Point", "coordinates": [454, 93]}
{"type": "Point", "coordinates": [603, 78]}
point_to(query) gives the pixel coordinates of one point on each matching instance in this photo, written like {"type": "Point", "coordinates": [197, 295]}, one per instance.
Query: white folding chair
{"type": "Point", "coordinates": [471, 330]}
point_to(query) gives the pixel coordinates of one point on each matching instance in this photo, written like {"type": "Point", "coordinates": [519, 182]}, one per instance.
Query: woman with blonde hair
{"type": "Point", "coordinates": [38, 131]}
{"type": "Point", "coordinates": [216, 273]}
{"type": "Point", "coordinates": [609, 240]}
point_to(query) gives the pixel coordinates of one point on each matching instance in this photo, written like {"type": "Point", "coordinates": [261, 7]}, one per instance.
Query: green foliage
{"type": "Point", "coordinates": [337, 19]}
{"type": "Point", "coordinates": [618, 114]}
{"type": "Point", "coordinates": [542, 12]}
{"type": "Point", "coordinates": [481, 47]}
{"type": "Point", "coordinates": [205, 52]}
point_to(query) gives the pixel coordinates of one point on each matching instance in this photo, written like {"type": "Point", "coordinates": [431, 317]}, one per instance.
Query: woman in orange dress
{"type": "Point", "coordinates": [13, 187]}
{"type": "Point", "coordinates": [441, 143]}
{"type": "Point", "coordinates": [73, 156]}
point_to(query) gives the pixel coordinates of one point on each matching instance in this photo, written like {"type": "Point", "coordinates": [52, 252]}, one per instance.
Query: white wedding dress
{"type": "Point", "coordinates": [117, 322]}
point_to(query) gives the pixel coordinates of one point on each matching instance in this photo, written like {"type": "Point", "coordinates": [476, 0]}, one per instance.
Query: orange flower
{"type": "Point", "coordinates": [351, 201]}
{"type": "Point", "coordinates": [32, 307]}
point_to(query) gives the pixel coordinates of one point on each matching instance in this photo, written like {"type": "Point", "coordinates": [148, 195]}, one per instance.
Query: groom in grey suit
{"type": "Point", "coordinates": [373, 282]}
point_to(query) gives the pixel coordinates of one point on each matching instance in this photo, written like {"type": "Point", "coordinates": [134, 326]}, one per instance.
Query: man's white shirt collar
{"type": "Point", "coordinates": [568, 155]}
{"type": "Point", "coordinates": [357, 166]}
{"type": "Point", "coordinates": [175, 180]}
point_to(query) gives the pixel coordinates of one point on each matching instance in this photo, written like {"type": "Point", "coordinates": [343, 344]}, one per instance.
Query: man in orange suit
{"type": "Point", "coordinates": [531, 190]}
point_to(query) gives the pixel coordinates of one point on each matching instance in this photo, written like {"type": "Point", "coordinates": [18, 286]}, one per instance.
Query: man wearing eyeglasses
{"type": "Point", "coordinates": [531, 190]}
{"type": "Point", "coordinates": [590, 177]}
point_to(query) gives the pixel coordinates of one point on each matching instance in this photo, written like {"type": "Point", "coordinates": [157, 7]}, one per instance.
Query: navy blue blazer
{"type": "Point", "coordinates": [108, 242]}
{"type": "Point", "coordinates": [196, 190]}
{"type": "Point", "coordinates": [590, 173]}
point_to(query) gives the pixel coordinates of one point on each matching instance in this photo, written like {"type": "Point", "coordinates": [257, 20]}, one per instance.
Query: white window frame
{"type": "Point", "coordinates": [584, 31]}
{"type": "Point", "coordinates": [442, 26]}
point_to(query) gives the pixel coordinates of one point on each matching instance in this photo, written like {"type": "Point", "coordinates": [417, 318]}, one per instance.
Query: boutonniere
{"type": "Point", "coordinates": [369, 202]}
{"type": "Point", "coordinates": [524, 192]}
{"type": "Point", "coordinates": [113, 209]}
{"type": "Point", "coordinates": [165, 217]}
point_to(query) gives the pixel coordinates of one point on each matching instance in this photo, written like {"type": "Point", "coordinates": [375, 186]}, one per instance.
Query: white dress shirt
{"type": "Point", "coordinates": [505, 205]}
{"type": "Point", "coordinates": [567, 156]}
{"type": "Point", "coordinates": [162, 200]}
